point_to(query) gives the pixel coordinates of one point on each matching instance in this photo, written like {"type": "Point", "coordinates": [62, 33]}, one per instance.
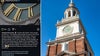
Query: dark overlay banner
{"type": "Point", "coordinates": [20, 40]}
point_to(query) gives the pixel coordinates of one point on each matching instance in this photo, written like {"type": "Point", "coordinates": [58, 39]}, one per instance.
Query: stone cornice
{"type": "Point", "coordinates": [65, 39]}
{"type": "Point", "coordinates": [66, 21]}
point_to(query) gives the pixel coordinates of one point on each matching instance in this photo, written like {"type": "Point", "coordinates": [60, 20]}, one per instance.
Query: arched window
{"type": "Point", "coordinates": [74, 13]}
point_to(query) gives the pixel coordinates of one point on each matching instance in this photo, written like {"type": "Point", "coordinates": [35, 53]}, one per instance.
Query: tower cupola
{"type": "Point", "coordinates": [71, 11]}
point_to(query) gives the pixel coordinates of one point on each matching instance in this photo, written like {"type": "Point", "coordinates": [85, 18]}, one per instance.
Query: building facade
{"type": "Point", "coordinates": [71, 37]}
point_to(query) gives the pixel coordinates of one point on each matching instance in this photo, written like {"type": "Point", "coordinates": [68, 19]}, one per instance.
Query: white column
{"type": "Point", "coordinates": [63, 46]}
{"type": "Point", "coordinates": [71, 13]}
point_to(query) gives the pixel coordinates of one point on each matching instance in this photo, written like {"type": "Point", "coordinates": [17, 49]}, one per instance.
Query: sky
{"type": "Point", "coordinates": [53, 10]}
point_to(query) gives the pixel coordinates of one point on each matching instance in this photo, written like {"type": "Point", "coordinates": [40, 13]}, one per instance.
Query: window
{"type": "Point", "coordinates": [74, 13]}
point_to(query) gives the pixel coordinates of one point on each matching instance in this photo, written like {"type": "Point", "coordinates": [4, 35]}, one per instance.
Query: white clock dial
{"type": "Point", "coordinates": [67, 29]}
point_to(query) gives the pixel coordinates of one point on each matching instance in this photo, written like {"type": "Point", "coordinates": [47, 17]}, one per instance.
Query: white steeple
{"type": "Point", "coordinates": [70, 15]}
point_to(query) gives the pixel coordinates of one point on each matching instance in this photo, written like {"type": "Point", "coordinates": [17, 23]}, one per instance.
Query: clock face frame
{"type": "Point", "coordinates": [18, 12]}
{"type": "Point", "coordinates": [67, 29]}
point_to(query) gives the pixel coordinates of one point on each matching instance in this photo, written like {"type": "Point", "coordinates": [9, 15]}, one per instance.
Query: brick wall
{"type": "Point", "coordinates": [77, 46]}
{"type": "Point", "coordinates": [80, 45]}
{"type": "Point", "coordinates": [73, 46]}
{"type": "Point", "coordinates": [59, 48]}
{"type": "Point", "coordinates": [54, 49]}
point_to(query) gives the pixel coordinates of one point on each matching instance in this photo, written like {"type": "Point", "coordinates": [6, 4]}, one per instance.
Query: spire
{"type": "Point", "coordinates": [71, 3]}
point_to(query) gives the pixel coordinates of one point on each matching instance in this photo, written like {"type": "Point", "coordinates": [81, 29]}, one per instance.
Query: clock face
{"type": "Point", "coordinates": [18, 11]}
{"type": "Point", "coordinates": [67, 29]}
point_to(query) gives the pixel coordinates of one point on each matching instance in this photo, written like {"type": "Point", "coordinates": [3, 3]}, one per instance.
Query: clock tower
{"type": "Point", "coordinates": [71, 37]}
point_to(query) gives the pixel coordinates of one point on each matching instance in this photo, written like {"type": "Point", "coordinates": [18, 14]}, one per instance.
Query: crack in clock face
{"type": "Point", "coordinates": [18, 11]}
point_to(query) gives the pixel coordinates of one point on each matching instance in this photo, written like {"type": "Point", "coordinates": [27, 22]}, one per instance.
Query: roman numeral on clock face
{"type": "Point", "coordinates": [18, 12]}
{"type": "Point", "coordinates": [30, 12]}
{"type": "Point", "coordinates": [17, 15]}
{"type": "Point", "coordinates": [9, 10]}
